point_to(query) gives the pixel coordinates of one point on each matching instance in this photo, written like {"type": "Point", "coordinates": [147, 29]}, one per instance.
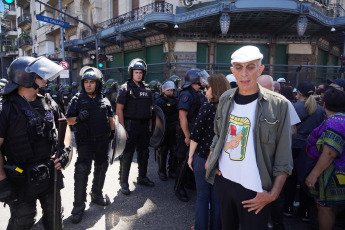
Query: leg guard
{"type": "Point", "coordinates": [97, 196]}
{"type": "Point", "coordinates": [22, 215]}
{"type": "Point", "coordinates": [47, 204]}
{"type": "Point", "coordinates": [162, 158]}
{"type": "Point", "coordinates": [125, 166]}
{"type": "Point", "coordinates": [142, 179]}
{"type": "Point", "coordinates": [81, 174]}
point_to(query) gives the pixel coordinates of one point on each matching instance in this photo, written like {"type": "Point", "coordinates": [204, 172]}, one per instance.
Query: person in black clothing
{"type": "Point", "coordinates": [66, 96]}
{"type": "Point", "coordinates": [168, 103]}
{"type": "Point", "coordinates": [134, 110]}
{"type": "Point", "coordinates": [189, 103]}
{"type": "Point", "coordinates": [28, 138]}
{"type": "Point", "coordinates": [54, 93]}
{"type": "Point", "coordinates": [92, 115]}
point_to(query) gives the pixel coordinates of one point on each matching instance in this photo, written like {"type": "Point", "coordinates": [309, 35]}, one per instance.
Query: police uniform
{"type": "Point", "coordinates": [66, 96]}
{"type": "Point", "coordinates": [30, 138]}
{"type": "Point", "coordinates": [169, 108]}
{"type": "Point", "coordinates": [56, 97]}
{"type": "Point", "coordinates": [137, 101]}
{"type": "Point", "coordinates": [92, 138]}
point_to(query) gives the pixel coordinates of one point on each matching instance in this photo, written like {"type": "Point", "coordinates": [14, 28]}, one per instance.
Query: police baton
{"type": "Point", "coordinates": [182, 173]}
{"type": "Point", "coordinates": [60, 145]}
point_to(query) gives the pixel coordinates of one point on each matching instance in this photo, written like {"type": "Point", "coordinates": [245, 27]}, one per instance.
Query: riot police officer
{"type": "Point", "coordinates": [168, 103]}
{"type": "Point", "coordinates": [74, 88]}
{"type": "Point", "coordinates": [92, 115]}
{"type": "Point", "coordinates": [66, 95]}
{"type": "Point", "coordinates": [177, 81]}
{"type": "Point", "coordinates": [28, 136]}
{"type": "Point", "coordinates": [134, 110]}
{"type": "Point", "coordinates": [155, 86]}
{"type": "Point", "coordinates": [54, 93]}
{"type": "Point", "coordinates": [110, 91]}
{"type": "Point", "coordinates": [189, 103]}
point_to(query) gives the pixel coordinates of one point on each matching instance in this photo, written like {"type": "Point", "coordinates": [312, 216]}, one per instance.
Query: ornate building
{"type": "Point", "coordinates": [301, 40]}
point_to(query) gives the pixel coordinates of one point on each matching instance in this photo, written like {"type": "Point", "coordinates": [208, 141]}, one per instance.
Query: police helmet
{"type": "Point", "coordinates": [137, 64]}
{"type": "Point", "coordinates": [52, 86]}
{"type": "Point", "coordinates": [176, 79]}
{"type": "Point", "coordinates": [66, 87]}
{"type": "Point", "coordinates": [109, 83]}
{"type": "Point", "coordinates": [154, 85]}
{"type": "Point", "coordinates": [88, 72]}
{"type": "Point", "coordinates": [2, 85]}
{"type": "Point", "coordinates": [168, 85]}
{"type": "Point", "coordinates": [193, 76]}
{"type": "Point", "coordinates": [23, 70]}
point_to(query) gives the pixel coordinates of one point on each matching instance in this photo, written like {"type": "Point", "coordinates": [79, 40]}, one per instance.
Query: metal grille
{"type": "Point", "coordinates": [137, 14]}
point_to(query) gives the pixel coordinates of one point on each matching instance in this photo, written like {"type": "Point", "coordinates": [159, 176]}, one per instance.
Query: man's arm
{"type": "Point", "coordinates": [2, 171]}
{"type": "Point", "coordinates": [72, 120]}
{"type": "Point", "coordinates": [184, 125]}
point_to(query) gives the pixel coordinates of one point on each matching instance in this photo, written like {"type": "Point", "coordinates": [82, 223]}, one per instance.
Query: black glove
{"type": "Point", "coordinates": [112, 134]}
{"type": "Point", "coordinates": [83, 116]}
{"type": "Point", "coordinates": [63, 156]}
{"type": "Point", "coordinates": [6, 193]}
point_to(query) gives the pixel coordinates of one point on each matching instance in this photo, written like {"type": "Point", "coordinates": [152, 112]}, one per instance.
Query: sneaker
{"type": "Point", "coordinates": [288, 212]}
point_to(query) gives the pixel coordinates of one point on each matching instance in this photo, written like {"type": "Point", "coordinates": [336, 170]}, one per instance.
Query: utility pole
{"type": "Point", "coordinates": [61, 34]}
{"type": "Point", "coordinates": [75, 18]}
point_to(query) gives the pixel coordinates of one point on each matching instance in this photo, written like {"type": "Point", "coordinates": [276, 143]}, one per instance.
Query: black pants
{"type": "Point", "coordinates": [23, 212]}
{"type": "Point", "coordinates": [93, 150]}
{"type": "Point", "coordinates": [233, 214]}
{"type": "Point", "coordinates": [290, 188]}
{"type": "Point", "coordinates": [168, 146]}
{"type": "Point", "coordinates": [139, 140]}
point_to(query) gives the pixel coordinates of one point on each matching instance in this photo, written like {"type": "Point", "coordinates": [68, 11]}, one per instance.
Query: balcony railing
{"type": "Point", "coordinates": [333, 9]}
{"type": "Point", "coordinates": [10, 13]}
{"type": "Point", "coordinates": [24, 41]}
{"type": "Point", "coordinates": [24, 19]}
{"type": "Point", "coordinates": [11, 51]}
{"type": "Point", "coordinates": [23, 3]}
{"type": "Point", "coordinates": [137, 14]}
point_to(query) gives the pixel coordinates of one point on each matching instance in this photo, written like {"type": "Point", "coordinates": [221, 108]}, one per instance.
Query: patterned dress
{"type": "Point", "coordinates": [330, 187]}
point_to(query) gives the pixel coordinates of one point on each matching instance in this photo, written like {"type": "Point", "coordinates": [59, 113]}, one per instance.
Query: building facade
{"type": "Point", "coordinates": [301, 40]}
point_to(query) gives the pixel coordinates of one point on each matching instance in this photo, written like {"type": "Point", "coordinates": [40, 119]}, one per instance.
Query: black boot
{"type": "Point", "coordinates": [125, 166]}
{"type": "Point", "coordinates": [162, 158]}
{"type": "Point", "coordinates": [142, 166]}
{"type": "Point", "coordinates": [80, 183]}
{"type": "Point", "coordinates": [97, 196]}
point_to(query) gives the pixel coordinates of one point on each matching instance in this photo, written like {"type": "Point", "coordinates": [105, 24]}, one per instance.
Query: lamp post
{"type": "Point", "coordinates": [224, 21]}
{"type": "Point", "coordinates": [302, 24]}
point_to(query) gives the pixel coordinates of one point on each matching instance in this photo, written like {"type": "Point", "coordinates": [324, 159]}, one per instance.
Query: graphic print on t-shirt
{"type": "Point", "coordinates": [237, 137]}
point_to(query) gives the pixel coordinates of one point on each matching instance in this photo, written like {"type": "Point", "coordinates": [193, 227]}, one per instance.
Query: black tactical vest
{"type": "Point", "coordinates": [66, 96]}
{"type": "Point", "coordinates": [169, 107]}
{"type": "Point", "coordinates": [138, 103]}
{"type": "Point", "coordinates": [31, 136]}
{"type": "Point", "coordinates": [198, 100]}
{"type": "Point", "coordinates": [56, 97]}
{"type": "Point", "coordinates": [98, 123]}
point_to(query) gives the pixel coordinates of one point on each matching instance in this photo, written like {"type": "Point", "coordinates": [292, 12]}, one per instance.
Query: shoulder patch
{"type": "Point", "coordinates": [184, 98]}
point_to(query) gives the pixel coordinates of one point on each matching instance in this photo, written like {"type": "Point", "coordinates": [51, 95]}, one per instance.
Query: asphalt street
{"type": "Point", "coordinates": [145, 208]}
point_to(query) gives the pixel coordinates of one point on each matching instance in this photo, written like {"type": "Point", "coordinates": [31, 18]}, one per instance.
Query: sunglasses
{"type": "Point", "coordinates": [208, 87]}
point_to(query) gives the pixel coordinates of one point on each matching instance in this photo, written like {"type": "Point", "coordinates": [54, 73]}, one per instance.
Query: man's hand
{"type": "Point", "coordinates": [83, 116]}
{"type": "Point", "coordinates": [259, 202]}
{"type": "Point", "coordinates": [61, 158]}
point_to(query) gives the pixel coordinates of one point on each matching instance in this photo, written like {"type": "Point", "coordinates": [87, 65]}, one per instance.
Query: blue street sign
{"type": "Point", "coordinates": [52, 21]}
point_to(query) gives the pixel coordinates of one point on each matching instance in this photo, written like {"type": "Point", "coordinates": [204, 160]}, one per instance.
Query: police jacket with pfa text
{"type": "Point", "coordinates": [137, 101]}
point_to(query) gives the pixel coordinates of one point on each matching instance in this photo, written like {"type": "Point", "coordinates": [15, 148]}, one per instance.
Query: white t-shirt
{"type": "Point", "coordinates": [294, 118]}
{"type": "Point", "coordinates": [237, 161]}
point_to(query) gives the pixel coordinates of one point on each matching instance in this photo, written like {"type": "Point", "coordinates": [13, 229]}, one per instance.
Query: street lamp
{"type": "Point", "coordinates": [224, 23]}
{"type": "Point", "coordinates": [302, 24]}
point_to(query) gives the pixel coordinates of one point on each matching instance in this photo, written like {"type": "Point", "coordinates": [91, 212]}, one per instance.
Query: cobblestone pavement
{"type": "Point", "coordinates": [146, 208]}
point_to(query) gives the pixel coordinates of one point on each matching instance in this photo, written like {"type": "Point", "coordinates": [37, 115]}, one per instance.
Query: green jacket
{"type": "Point", "coordinates": [272, 135]}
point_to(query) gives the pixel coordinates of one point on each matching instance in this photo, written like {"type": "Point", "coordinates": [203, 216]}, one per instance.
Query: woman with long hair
{"type": "Point", "coordinates": [201, 139]}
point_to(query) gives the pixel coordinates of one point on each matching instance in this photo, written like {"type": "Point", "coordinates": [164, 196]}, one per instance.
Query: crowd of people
{"type": "Point", "coordinates": [245, 142]}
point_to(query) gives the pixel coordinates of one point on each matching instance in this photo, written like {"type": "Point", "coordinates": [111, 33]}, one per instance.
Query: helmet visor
{"type": "Point", "coordinates": [204, 76]}
{"type": "Point", "coordinates": [44, 68]}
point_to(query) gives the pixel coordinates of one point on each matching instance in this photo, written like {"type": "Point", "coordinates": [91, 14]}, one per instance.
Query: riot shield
{"type": "Point", "coordinates": [158, 127]}
{"type": "Point", "coordinates": [118, 144]}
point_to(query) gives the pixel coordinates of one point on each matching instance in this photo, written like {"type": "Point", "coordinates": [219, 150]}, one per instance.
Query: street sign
{"type": "Point", "coordinates": [63, 64]}
{"type": "Point", "coordinates": [92, 56]}
{"type": "Point", "coordinates": [64, 74]}
{"type": "Point", "coordinates": [52, 21]}
{"type": "Point", "coordinates": [109, 57]}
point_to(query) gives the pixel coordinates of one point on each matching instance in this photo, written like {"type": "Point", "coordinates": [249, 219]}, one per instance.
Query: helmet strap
{"type": "Point", "coordinates": [35, 86]}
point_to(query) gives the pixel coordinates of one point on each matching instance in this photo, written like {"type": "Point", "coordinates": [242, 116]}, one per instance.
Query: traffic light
{"type": "Point", "coordinates": [8, 2]}
{"type": "Point", "coordinates": [100, 60]}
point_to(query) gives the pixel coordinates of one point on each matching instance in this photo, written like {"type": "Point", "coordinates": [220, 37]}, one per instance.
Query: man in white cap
{"type": "Point", "coordinates": [251, 151]}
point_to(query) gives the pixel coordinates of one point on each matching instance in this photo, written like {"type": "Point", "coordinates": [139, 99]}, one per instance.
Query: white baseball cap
{"type": "Point", "coordinates": [280, 80]}
{"type": "Point", "coordinates": [231, 78]}
{"type": "Point", "coordinates": [246, 54]}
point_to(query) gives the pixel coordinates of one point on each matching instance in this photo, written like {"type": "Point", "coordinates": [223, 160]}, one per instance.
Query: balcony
{"type": "Point", "coordinates": [52, 2]}
{"type": "Point", "coordinates": [137, 14]}
{"type": "Point", "coordinates": [11, 51]}
{"type": "Point", "coordinates": [24, 42]}
{"type": "Point", "coordinates": [11, 33]}
{"type": "Point", "coordinates": [10, 14]}
{"type": "Point", "coordinates": [333, 9]}
{"type": "Point", "coordinates": [24, 21]}
{"type": "Point", "coordinates": [52, 29]}
{"type": "Point", "coordinates": [23, 3]}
